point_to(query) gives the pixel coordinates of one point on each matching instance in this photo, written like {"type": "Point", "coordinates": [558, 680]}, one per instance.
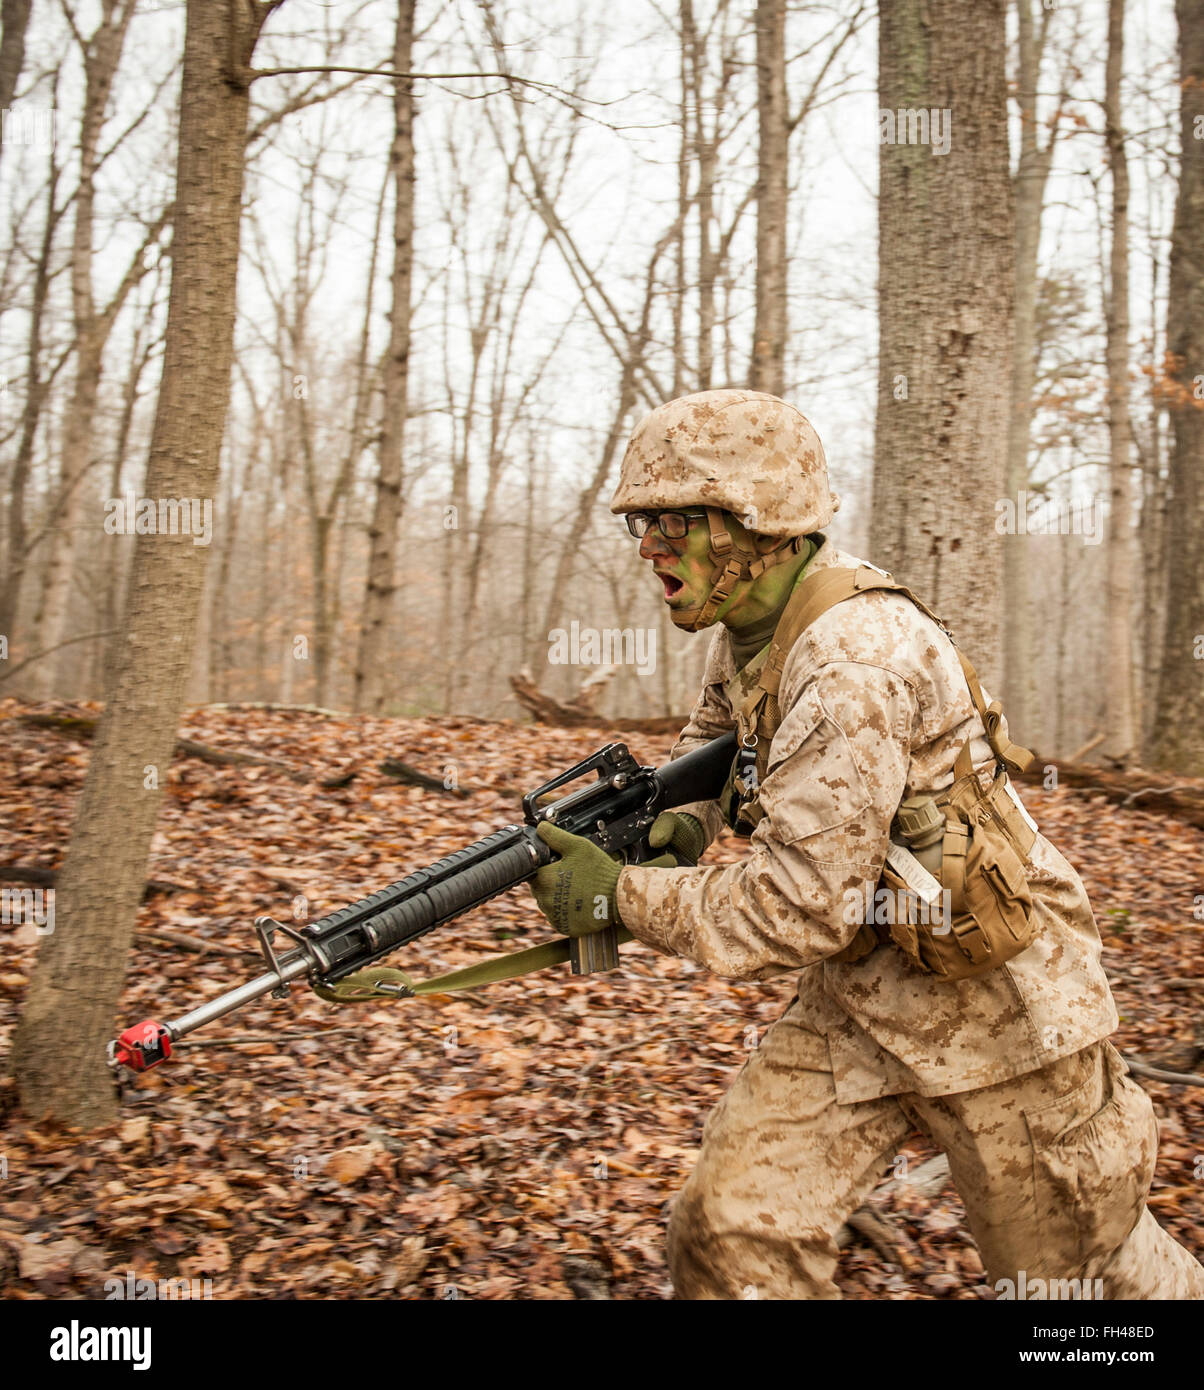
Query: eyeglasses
{"type": "Point", "coordinates": [672, 525]}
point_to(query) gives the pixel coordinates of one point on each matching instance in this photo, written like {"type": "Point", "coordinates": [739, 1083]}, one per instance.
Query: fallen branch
{"type": "Point", "coordinates": [892, 1244]}
{"type": "Point", "coordinates": [168, 937]}
{"type": "Point", "coordinates": [413, 777]}
{"type": "Point", "coordinates": [579, 712]}
{"type": "Point", "coordinates": [289, 880]}
{"type": "Point", "coordinates": [1180, 797]}
{"type": "Point", "coordinates": [230, 757]}
{"type": "Point", "coordinates": [546, 709]}
{"type": "Point", "coordinates": [1080, 753]}
{"type": "Point", "coordinates": [867, 1221]}
{"type": "Point", "coordinates": [281, 709]}
{"type": "Point", "coordinates": [85, 726]}
{"type": "Point", "coordinates": [1176, 1078]}
{"type": "Point", "coordinates": [47, 878]}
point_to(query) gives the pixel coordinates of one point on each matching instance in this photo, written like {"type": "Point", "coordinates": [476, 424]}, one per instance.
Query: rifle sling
{"type": "Point", "coordinates": [486, 972]}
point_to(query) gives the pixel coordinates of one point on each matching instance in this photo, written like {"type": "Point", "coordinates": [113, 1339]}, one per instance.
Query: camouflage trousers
{"type": "Point", "coordinates": [1054, 1168]}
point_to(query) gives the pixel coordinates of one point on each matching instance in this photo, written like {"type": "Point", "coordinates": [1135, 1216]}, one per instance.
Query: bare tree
{"type": "Point", "coordinates": [1178, 741]}
{"type": "Point", "coordinates": [371, 684]}
{"type": "Point", "coordinates": [18, 544]}
{"type": "Point", "coordinates": [1120, 719]}
{"type": "Point", "coordinates": [767, 371]}
{"type": "Point", "coordinates": [1031, 177]}
{"type": "Point", "coordinates": [80, 968]}
{"type": "Point", "coordinates": [14, 22]}
{"type": "Point", "coordinates": [92, 325]}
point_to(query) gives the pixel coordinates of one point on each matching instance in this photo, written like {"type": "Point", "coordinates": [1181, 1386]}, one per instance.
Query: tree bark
{"type": "Point", "coordinates": [945, 310]}
{"type": "Point", "coordinates": [1120, 722]}
{"type": "Point", "coordinates": [14, 21]}
{"type": "Point", "coordinates": [17, 544]}
{"type": "Point", "coordinates": [58, 1047]}
{"type": "Point", "coordinates": [101, 56]}
{"type": "Point", "coordinates": [371, 669]}
{"type": "Point", "coordinates": [1032, 173]}
{"type": "Point", "coordinates": [1178, 740]}
{"type": "Point", "coordinates": [767, 370]}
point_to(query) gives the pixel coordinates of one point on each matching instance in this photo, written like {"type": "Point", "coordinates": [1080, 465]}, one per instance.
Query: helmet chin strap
{"type": "Point", "coordinates": [732, 564]}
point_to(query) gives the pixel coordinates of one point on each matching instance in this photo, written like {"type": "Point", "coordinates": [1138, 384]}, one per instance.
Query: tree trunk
{"type": "Point", "coordinates": [17, 545]}
{"type": "Point", "coordinates": [14, 21]}
{"type": "Point", "coordinates": [58, 1048]}
{"type": "Point", "coordinates": [372, 666]}
{"type": "Point", "coordinates": [1120, 724]}
{"type": "Point", "coordinates": [706, 154]}
{"type": "Point", "coordinates": [767, 371]}
{"type": "Point", "coordinates": [1032, 172]}
{"type": "Point", "coordinates": [1178, 740]}
{"type": "Point", "coordinates": [101, 58]}
{"type": "Point", "coordinates": [945, 309]}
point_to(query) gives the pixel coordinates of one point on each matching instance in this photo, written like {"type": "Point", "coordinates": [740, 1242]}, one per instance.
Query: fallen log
{"type": "Point", "coordinates": [414, 777]}
{"type": "Point", "coordinates": [46, 878]}
{"type": "Point", "coordinates": [546, 709]}
{"type": "Point", "coordinates": [579, 711]}
{"type": "Point", "coordinates": [84, 726]}
{"type": "Point", "coordinates": [1134, 788]}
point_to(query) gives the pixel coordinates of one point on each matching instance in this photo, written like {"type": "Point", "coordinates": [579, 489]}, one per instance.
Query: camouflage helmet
{"type": "Point", "coordinates": [742, 452]}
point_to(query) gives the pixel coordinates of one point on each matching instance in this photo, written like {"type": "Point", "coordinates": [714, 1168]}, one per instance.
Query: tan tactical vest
{"type": "Point", "coordinates": [962, 848]}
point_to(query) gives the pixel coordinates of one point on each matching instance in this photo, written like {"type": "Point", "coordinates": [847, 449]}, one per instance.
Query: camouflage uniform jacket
{"type": "Point", "coordinates": [874, 708]}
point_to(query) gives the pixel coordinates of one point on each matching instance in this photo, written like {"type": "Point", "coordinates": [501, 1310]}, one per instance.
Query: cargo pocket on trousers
{"type": "Point", "coordinates": [1093, 1159]}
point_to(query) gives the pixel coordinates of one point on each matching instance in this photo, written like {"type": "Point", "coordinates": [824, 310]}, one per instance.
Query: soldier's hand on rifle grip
{"type": "Point", "coordinates": [682, 834]}
{"type": "Point", "coordinates": [576, 892]}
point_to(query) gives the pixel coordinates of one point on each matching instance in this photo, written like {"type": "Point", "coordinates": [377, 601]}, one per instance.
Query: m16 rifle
{"type": "Point", "coordinates": [616, 812]}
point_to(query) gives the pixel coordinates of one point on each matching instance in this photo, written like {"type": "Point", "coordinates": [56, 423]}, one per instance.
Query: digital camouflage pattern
{"type": "Point", "coordinates": [874, 708]}
{"type": "Point", "coordinates": [1051, 1145]}
{"type": "Point", "coordinates": [742, 451]}
{"type": "Point", "coordinates": [1054, 1167]}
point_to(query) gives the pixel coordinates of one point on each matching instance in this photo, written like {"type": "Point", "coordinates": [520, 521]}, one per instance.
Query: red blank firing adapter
{"type": "Point", "coordinates": [143, 1046]}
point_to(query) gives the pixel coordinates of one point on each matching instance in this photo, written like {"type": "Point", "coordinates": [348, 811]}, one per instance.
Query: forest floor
{"type": "Point", "coordinates": [521, 1142]}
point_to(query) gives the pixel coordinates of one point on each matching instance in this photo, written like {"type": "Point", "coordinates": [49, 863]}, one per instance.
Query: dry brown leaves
{"type": "Point", "coordinates": [520, 1143]}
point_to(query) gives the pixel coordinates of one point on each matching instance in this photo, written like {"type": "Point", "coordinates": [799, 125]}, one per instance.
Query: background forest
{"type": "Point", "coordinates": [646, 201]}
{"type": "Point", "coordinates": [323, 327]}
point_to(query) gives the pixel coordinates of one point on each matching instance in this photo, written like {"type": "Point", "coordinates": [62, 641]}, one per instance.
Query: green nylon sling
{"type": "Point", "coordinates": [365, 985]}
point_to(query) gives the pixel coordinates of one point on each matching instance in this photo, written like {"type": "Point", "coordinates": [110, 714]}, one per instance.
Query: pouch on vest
{"type": "Point", "coordinates": [974, 843]}
{"type": "Point", "coordinates": [985, 913]}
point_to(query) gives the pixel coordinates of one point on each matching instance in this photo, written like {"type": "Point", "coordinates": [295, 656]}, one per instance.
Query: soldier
{"type": "Point", "coordinates": [991, 1037]}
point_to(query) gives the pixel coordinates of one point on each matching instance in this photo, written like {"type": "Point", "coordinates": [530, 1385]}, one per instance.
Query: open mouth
{"type": "Point", "coordinates": [672, 584]}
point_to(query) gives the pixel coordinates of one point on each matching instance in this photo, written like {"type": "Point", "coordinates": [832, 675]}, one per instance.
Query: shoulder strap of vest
{"type": "Point", "coordinates": [823, 589]}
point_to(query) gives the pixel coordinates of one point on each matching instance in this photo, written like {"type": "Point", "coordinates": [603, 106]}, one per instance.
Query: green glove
{"type": "Point", "coordinates": [576, 892]}
{"type": "Point", "coordinates": [681, 832]}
